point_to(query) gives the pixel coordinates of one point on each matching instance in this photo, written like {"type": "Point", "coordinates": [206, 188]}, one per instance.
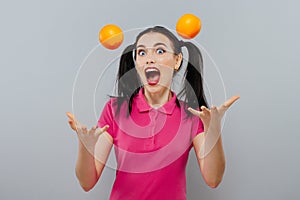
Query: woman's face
{"type": "Point", "coordinates": [156, 61]}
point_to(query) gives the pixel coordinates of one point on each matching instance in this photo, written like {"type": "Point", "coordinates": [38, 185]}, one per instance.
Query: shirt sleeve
{"type": "Point", "coordinates": [106, 118]}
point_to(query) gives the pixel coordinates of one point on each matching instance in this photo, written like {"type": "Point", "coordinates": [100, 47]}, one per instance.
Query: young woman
{"type": "Point", "coordinates": [151, 128]}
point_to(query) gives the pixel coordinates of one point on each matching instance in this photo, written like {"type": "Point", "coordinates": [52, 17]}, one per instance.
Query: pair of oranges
{"type": "Point", "coordinates": [111, 36]}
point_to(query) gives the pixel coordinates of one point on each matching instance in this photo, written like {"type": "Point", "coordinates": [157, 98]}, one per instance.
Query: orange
{"type": "Point", "coordinates": [188, 26]}
{"type": "Point", "coordinates": [111, 36]}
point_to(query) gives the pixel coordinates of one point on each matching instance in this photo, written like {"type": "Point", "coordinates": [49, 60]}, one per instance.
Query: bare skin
{"type": "Point", "coordinates": [94, 147]}
{"type": "Point", "coordinates": [155, 50]}
{"type": "Point", "coordinates": [208, 145]}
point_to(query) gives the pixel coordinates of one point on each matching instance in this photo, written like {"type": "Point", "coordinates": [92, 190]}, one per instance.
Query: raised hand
{"type": "Point", "coordinates": [88, 137]}
{"type": "Point", "coordinates": [93, 151]}
{"type": "Point", "coordinates": [210, 143]}
{"type": "Point", "coordinates": [211, 118]}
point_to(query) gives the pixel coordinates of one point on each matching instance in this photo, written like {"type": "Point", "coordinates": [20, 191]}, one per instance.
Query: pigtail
{"type": "Point", "coordinates": [193, 86]}
{"type": "Point", "coordinates": [128, 83]}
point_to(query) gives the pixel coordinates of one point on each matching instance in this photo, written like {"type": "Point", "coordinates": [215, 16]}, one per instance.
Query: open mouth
{"type": "Point", "coordinates": [152, 75]}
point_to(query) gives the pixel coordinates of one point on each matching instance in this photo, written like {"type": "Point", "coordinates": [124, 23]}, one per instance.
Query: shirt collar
{"type": "Point", "coordinates": [143, 105]}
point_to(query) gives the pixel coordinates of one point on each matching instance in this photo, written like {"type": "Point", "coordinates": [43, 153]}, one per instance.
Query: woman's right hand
{"type": "Point", "coordinates": [93, 152]}
{"type": "Point", "coordinates": [88, 137]}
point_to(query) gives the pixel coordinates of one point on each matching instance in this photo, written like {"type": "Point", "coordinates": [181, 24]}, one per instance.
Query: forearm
{"type": "Point", "coordinates": [208, 146]}
{"type": "Point", "coordinates": [212, 158]}
{"type": "Point", "coordinates": [85, 168]}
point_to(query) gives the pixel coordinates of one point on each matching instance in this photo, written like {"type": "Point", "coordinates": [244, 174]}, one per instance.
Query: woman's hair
{"type": "Point", "coordinates": [192, 91]}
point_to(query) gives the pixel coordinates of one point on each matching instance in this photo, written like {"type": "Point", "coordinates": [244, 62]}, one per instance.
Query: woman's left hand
{"type": "Point", "coordinates": [211, 118]}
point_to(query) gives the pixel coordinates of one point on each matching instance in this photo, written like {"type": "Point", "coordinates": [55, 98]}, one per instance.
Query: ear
{"type": "Point", "coordinates": [178, 61]}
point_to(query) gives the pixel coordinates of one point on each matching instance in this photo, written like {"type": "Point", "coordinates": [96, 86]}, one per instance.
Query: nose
{"type": "Point", "coordinates": [150, 61]}
{"type": "Point", "coordinates": [150, 58]}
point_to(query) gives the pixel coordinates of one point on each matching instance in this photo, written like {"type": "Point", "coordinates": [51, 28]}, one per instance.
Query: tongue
{"type": "Point", "coordinates": [153, 79]}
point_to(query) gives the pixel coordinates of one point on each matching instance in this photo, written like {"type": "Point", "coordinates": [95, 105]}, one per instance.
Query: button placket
{"type": "Point", "coordinates": [153, 117]}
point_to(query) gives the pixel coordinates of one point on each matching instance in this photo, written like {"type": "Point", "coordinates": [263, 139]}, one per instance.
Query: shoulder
{"type": "Point", "coordinates": [114, 101]}
{"type": "Point", "coordinates": [116, 105]}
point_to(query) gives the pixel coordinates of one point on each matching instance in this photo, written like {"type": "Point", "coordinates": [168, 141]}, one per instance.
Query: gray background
{"type": "Point", "coordinates": [254, 43]}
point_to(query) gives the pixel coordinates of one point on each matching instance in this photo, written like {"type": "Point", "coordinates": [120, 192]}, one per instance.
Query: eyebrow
{"type": "Point", "coordinates": [159, 43]}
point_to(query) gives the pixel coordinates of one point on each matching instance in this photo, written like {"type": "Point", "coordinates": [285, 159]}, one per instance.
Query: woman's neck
{"type": "Point", "coordinates": [158, 99]}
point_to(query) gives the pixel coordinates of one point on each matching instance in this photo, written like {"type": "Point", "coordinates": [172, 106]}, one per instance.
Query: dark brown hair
{"type": "Point", "coordinates": [192, 92]}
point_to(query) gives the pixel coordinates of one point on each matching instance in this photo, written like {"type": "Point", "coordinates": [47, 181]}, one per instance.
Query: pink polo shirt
{"type": "Point", "coordinates": [151, 147]}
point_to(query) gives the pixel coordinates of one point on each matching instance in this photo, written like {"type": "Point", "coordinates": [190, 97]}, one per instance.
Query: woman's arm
{"type": "Point", "coordinates": [91, 161]}
{"type": "Point", "coordinates": [85, 168]}
{"type": "Point", "coordinates": [208, 145]}
{"type": "Point", "coordinates": [210, 157]}
{"type": "Point", "coordinates": [94, 148]}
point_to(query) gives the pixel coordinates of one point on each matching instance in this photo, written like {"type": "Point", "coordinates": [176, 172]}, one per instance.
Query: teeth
{"type": "Point", "coordinates": [151, 70]}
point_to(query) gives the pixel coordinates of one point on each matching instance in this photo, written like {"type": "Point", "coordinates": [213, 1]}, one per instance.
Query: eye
{"type": "Point", "coordinates": [160, 51]}
{"type": "Point", "coordinates": [141, 52]}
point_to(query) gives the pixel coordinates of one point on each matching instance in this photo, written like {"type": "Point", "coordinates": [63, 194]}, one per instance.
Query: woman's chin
{"type": "Point", "coordinates": [154, 88]}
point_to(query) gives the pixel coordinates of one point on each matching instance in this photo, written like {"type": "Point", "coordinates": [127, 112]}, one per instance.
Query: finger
{"type": "Point", "coordinates": [84, 129]}
{"type": "Point", "coordinates": [194, 112]}
{"type": "Point", "coordinates": [230, 101]}
{"type": "Point", "coordinates": [72, 124]}
{"type": "Point", "coordinates": [105, 128]}
{"type": "Point", "coordinates": [75, 124]}
{"type": "Point", "coordinates": [72, 117]}
{"type": "Point", "coordinates": [93, 129]}
{"type": "Point", "coordinates": [214, 109]}
{"type": "Point", "coordinates": [205, 110]}
{"type": "Point", "coordinates": [101, 130]}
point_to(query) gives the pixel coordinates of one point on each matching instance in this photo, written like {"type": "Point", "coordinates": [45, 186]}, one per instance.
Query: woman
{"type": "Point", "coordinates": [151, 129]}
